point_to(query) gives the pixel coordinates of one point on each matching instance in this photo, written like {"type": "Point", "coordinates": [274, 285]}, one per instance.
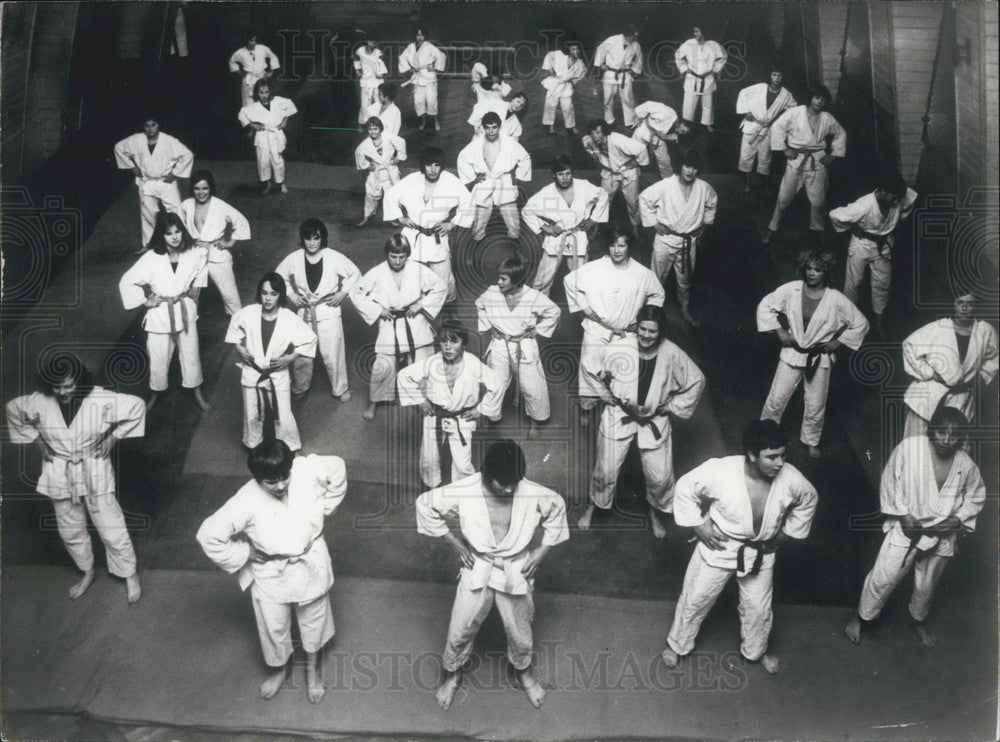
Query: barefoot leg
{"type": "Point", "coordinates": [533, 689]}
{"type": "Point", "coordinates": [369, 413]}
{"type": "Point", "coordinates": [133, 589]}
{"type": "Point", "coordinates": [853, 629]}
{"type": "Point", "coordinates": [927, 637]}
{"type": "Point", "coordinates": [654, 520]}
{"type": "Point", "coordinates": [446, 693]}
{"type": "Point", "coordinates": [80, 587]}
{"type": "Point", "coordinates": [670, 658]}
{"type": "Point", "coordinates": [814, 452]}
{"type": "Point", "coordinates": [770, 664]}
{"type": "Point", "coordinates": [200, 399]}
{"type": "Point", "coordinates": [152, 400]}
{"type": "Point", "coordinates": [585, 519]}
{"type": "Point", "coordinates": [275, 679]}
{"type": "Point", "coordinates": [314, 684]}
{"type": "Point", "coordinates": [532, 429]}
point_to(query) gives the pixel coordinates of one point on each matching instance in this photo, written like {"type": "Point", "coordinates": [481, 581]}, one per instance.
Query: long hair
{"type": "Point", "coordinates": [277, 284]}
{"type": "Point", "coordinates": [67, 365]}
{"type": "Point", "coordinates": [164, 221]}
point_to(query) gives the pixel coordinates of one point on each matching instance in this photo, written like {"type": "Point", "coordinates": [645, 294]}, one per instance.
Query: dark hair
{"type": "Point", "coordinates": [398, 243]}
{"type": "Point", "coordinates": [562, 162]}
{"type": "Point", "coordinates": [775, 66]}
{"type": "Point", "coordinates": [652, 313]}
{"type": "Point", "coordinates": [272, 459]}
{"type": "Point", "coordinates": [822, 259]}
{"type": "Point", "coordinates": [277, 284]}
{"type": "Point", "coordinates": [945, 416]}
{"type": "Point", "coordinates": [67, 365]}
{"type": "Point", "coordinates": [164, 221]}
{"type": "Point", "coordinates": [514, 268]}
{"type": "Point", "coordinates": [261, 83]}
{"type": "Point", "coordinates": [389, 90]}
{"type": "Point", "coordinates": [617, 232]}
{"type": "Point", "coordinates": [693, 158]}
{"type": "Point", "coordinates": [313, 226]}
{"type": "Point", "coordinates": [891, 182]}
{"type": "Point", "coordinates": [601, 124]}
{"type": "Point", "coordinates": [491, 118]}
{"type": "Point", "coordinates": [203, 175]}
{"type": "Point", "coordinates": [761, 435]}
{"type": "Point", "coordinates": [375, 121]}
{"type": "Point", "coordinates": [453, 327]}
{"type": "Point", "coordinates": [431, 155]}
{"type": "Point", "coordinates": [822, 91]}
{"type": "Point", "coordinates": [504, 463]}
{"type": "Point", "coordinates": [524, 108]}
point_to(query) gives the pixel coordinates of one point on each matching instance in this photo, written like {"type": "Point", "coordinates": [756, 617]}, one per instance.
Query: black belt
{"type": "Point", "coordinates": [883, 242]}
{"type": "Point", "coordinates": [758, 561]}
{"type": "Point", "coordinates": [441, 436]}
{"type": "Point", "coordinates": [699, 86]}
{"type": "Point", "coordinates": [630, 415]}
{"type": "Point", "coordinates": [687, 244]}
{"type": "Point", "coordinates": [813, 352]}
{"type": "Point", "coordinates": [402, 359]}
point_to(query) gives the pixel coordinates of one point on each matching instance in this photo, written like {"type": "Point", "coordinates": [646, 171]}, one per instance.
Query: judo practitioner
{"type": "Point", "coordinates": [754, 502]}
{"type": "Point", "coordinates": [268, 115]}
{"type": "Point", "coordinates": [619, 158]}
{"type": "Point", "coordinates": [658, 126]}
{"type": "Point", "coordinates": [872, 221]}
{"type": "Point", "coordinates": [488, 166]}
{"type": "Point", "coordinates": [268, 339]}
{"type": "Point", "coordinates": [499, 512]}
{"type": "Point", "coordinates": [386, 110]}
{"type": "Point", "coordinates": [802, 133]}
{"type": "Point", "coordinates": [404, 297]}
{"type": "Point", "coordinates": [700, 61]}
{"type": "Point", "coordinates": [510, 113]}
{"type": "Point", "coordinates": [424, 61]}
{"type": "Point", "coordinates": [452, 388]}
{"type": "Point", "coordinates": [566, 212]}
{"type": "Point", "coordinates": [252, 62]}
{"type": "Point", "coordinates": [679, 209]}
{"type": "Point", "coordinates": [609, 292]}
{"type": "Point", "coordinates": [760, 106]}
{"type": "Point", "coordinates": [619, 58]}
{"type": "Point", "coordinates": [166, 281]}
{"type": "Point", "coordinates": [638, 401]}
{"type": "Point", "coordinates": [428, 206]}
{"type": "Point", "coordinates": [565, 70]}
{"type": "Point", "coordinates": [811, 321]}
{"type": "Point", "coordinates": [217, 226]}
{"type": "Point", "coordinates": [946, 359]}
{"type": "Point", "coordinates": [491, 86]}
{"type": "Point", "coordinates": [379, 155]}
{"type": "Point", "coordinates": [320, 279]}
{"type": "Point", "coordinates": [931, 492]}
{"type": "Point", "coordinates": [75, 423]}
{"type": "Point", "coordinates": [515, 316]}
{"type": "Point", "coordinates": [270, 534]}
{"type": "Point", "coordinates": [371, 72]}
{"type": "Point", "coordinates": [157, 160]}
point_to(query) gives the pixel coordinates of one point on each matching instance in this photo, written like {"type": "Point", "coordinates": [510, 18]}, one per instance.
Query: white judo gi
{"type": "Point", "coordinates": [495, 93]}
{"type": "Point", "coordinates": [720, 484]}
{"type": "Point", "coordinates": [298, 575]}
{"type": "Point", "coordinates": [510, 124]}
{"type": "Point", "coordinates": [620, 160]}
{"type": "Point", "coordinates": [425, 62]}
{"type": "Point", "coordinates": [210, 235]}
{"type": "Point", "coordinates": [930, 357]}
{"type": "Point", "coordinates": [909, 487]}
{"type": "Point", "coordinates": [549, 207]}
{"type": "Point", "coordinates": [409, 198]}
{"type": "Point", "coordinates": [270, 141]}
{"type": "Point", "coordinates": [835, 317]}
{"type": "Point", "coordinates": [498, 188]}
{"type": "Point", "coordinates": [255, 65]}
{"type": "Point", "coordinates": [371, 72]}
{"type": "Point", "coordinates": [872, 239]}
{"type": "Point", "coordinates": [380, 164]}
{"type": "Point", "coordinates": [700, 64]}
{"type": "Point", "coordinates": [807, 170]}
{"type": "Point", "coordinates": [476, 389]}
{"type": "Point", "coordinates": [260, 388]}
{"type": "Point", "coordinates": [622, 61]}
{"type": "Point", "coordinates": [173, 323]}
{"type": "Point", "coordinates": [339, 274]}
{"type": "Point", "coordinates": [510, 354]}
{"type": "Point", "coordinates": [390, 117]}
{"type": "Point", "coordinates": [413, 336]}
{"type": "Point", "coordinates": [656, 122]}
{"type": "Point", "coordinates": [496, 574]}
{"type": "Point", "coordinates": [565, 73]}
{"type": "Point", "coordinates": [615, 293]}
{"type": "Point", "coordinates": [675, 388]}
{"type": "Point", "coordinates": [756, 140]}
{"type": "Point", "coordinates": [169, 158]}
{"type": "Point", "coordinates": [76, 479]}
{"type": "Point", "coordinates": [685, 215]}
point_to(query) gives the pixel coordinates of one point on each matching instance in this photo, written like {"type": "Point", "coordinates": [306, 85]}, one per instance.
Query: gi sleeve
{"type": "Point", "coordinates": [218, 536]}
{"type": "Point", "coordinates": [839, 146]}
{"type": "Point", "coordinates": [131, 284]}
{"type": "Point", "coordinates": [576, 297]}
{"type": "Point", "coordinates": [523, 170]}
{"type": "Point", "coordinates": [24, 418]}
{"type": "Point", "coordinates": [271, 59]}
{"type": "Point", "coordinates": [406, 60]}
{"type": "Point", "coordinates": [491, 402]}
{"type": "Point", "coordinates": [799, 513]}
{"type": "Point", "coordinates": [391, 197]}
{"type": "Point", "coordinates": [331, 480]}
{"type": "Point", "coordinates": [915, 353]}
{"type": "Point", "coordinates": [361, 160]}
{"type": "Point", "coordinates": [973, 497]}
{"type": "Point", "coordinates": [182, 158]}
{"type": "Point", "coordinates": [687, 382]}
{"type": "Point", "coordinates": [201, 271]}
{"type": "Point", "coordinates": [892, 491]}
{"type": "Point", "coordinates": [482, 316]}
{"type": "Point", "coordinates": [361, 296]}
{"type": "Point", "coordinates": [744, 101]}
{"type": "Point", "coordinates": [602, 204]}
{"type": "Point", "coordinates": [711, 204]}
{"type": "Point", "coordinates": [768, 309]}
{"type": "Point", "coordinates": [466, 166]}
{"type": "Point", "coordinates": [399, 144]}
{"type": "Point", "coordinates": [411, 383]}
{"type": "Point", "coordinates": [907, 204]}
{"type": "Point", "coordinates": [241, 227]}
{"type": "Point", "coordinates": [349, 273]}
{"type": "Point", "coordinates": [693, 496]}
{"type": "Point", "coordinates": [552, 510]}
{"type": "Point", "coordinates": [653, 289]}
{"type": "Point", "coordinates": [990, 363]}
{"type": "Point", "coordinates": [601, 53]}
{"type": "Point", "coordinates": [128, 416]}
{"type": "Point", "coordinates": [531, 211]}
{"type": "Point", "coordinates": [432, 507]}
{"type": "Point", "coordinates": [433, 291]}
{"type": "Point", "coordinates": [857, 324]}
{"type": "Point", "coordinates": [779, 132]}
{"type": "Point", "coordinates": [302, 337]}
{"type": "Point", "coordinates": [546, 316]}
{"type": "Point", "coordinates": [845, 217]}
{"type": "Point", "coordinates": [235, 61]}
{"type": "Point", "coordinates": [236, 334]}
{"type": "Point", "coordinates": [440, 61]}
{"type": "Point", "coordinates": [720, 57]}
{"type": "Point", "coordinates": [680, 58]}
{"type": "Point", "coordinates": [125, 156]}
{"type": "Point", "coordinates": [649, 203]}
{"type": "Point", "coordinates": [636, 58]}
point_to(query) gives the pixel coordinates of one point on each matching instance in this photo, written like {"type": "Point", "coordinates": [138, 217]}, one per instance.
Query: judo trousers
{"type": "Point", "coordinates": [274, 627]}
{"type": "Point", "coordinates": [161, 345]}
{"type": "Point", "coordinates": [331, 350]}
{"type": "Point", "coordinates": [786, 379]}
{"type": "Point", "coordinates": [468, 613]}
{"type": "Point", "coordinates": [891, 566]}
{"type": "Point", "coordinates": [107, 517]}
{"type": "Point", "coordinates": [657, 467]}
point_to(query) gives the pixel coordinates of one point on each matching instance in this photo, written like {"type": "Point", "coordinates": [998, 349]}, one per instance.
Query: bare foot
{"type": "Point", "coordinates": [362, 223]}
{"type": "Point", "coordinates": [550, 130]}
{"type": "Point", "coordinates": [585, 519]}
{"type": "Point", "coordinates": [273, 683]}
{"type": "Point", "coordinates": [575, 130]}
{"type": "Point", "coordinates": [533, 689]}
{"type": "Point", "coordinates": [345, 397]}
{"type": "Point", "coordinates": [314, 685]}
{"type": "Point", "coordinates": [437, 125]}
{"type": "Point", "coordinates": [133, 590]}
{"type": "Point", "coordinates": [585, 418]}
{"type": "Point", "coordinates": [446, 693]}
{"type": "Point", "coordinates": [814, 452]}
{"type": "Point", "coordinates": [927, 637]}
{"type": "Point", "coordinates": [532, 429]}
{"type": "Point", "coordinates": [79, 588]}
{"type": "Point", "coordinates": [284, 188]}
{"type": "Point", "coordinates": [369, 413]}
{"type": "Point", "coordinates": [267, 189]}
{"type": "Point", "coordinates": [658, 530]}
{"type": "Point", "coordinates": [710, 128]}
{"type": "Point", "coordinates": [690, 318]}
{"type": "Point", "coordinates": [152, 400]}
{"type": "Point", "coordinates": [853, 629]}
{"type": "Point", "coordinates": [769, 237]}
{"type": "Point", "coordinates": [770, 663]}
{"type": "Point", "coordinates": [670, 658]}
{"type": "Point", "coordinates": [200, 399]}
